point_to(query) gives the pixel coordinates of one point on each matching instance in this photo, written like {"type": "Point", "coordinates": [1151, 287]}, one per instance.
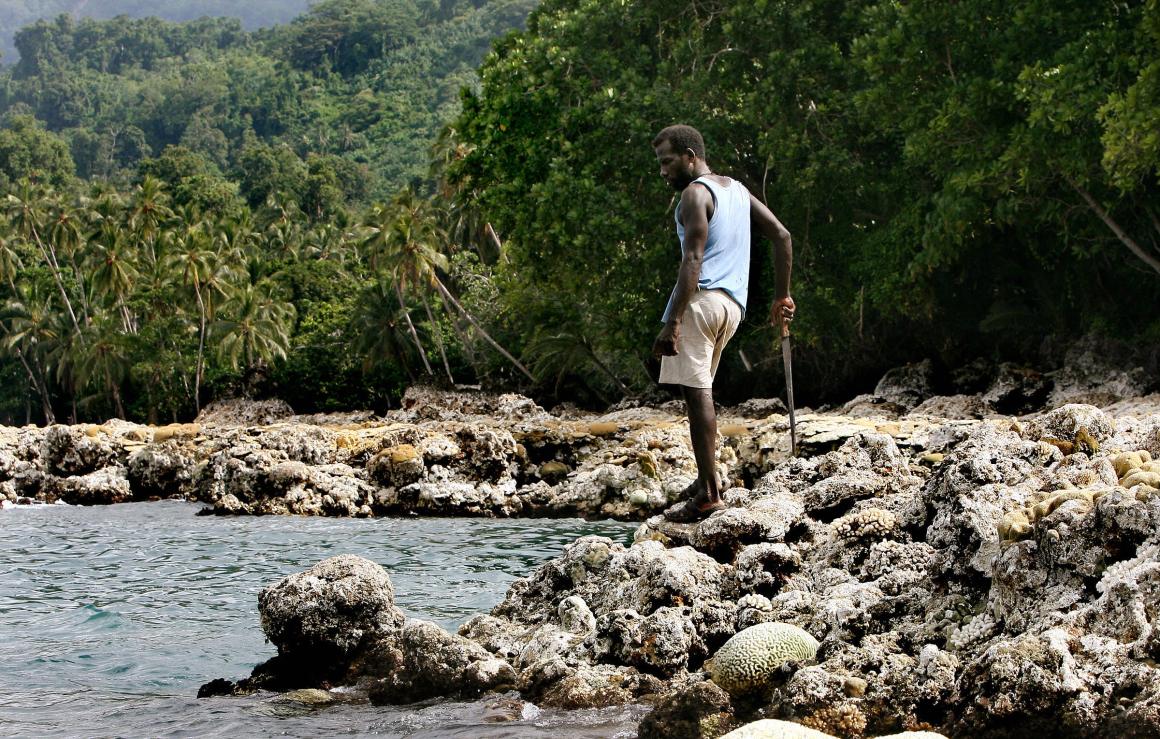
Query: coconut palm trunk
{"type": "Point", "coordinates": [37, 382]}
{"type": "Point", "coordinates": [411, 330]}
{"type": "Point", "coordinates": [482, 331]}
{"type": "Point", "coordinates": [49, 255]}
{"type": "Point", "coordinates": [200, 364]}
{"type": "Point", "coordinates": [438, 340]}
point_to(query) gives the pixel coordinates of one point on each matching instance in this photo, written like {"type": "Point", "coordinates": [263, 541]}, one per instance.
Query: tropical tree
{"type": "Point", "coordinates": [26, 209]}
{"type": "Point", "coordinates": [104, 360]}
{"type": "Point", "coordinates": [192, 258]}
{"type": "Point", "coordinates": [31, 330]}
{"type": "Point", "coordinates": [380, 225]}
{"type": "Point", "coordinates": [255, 325]}
{"type": "Point", "coordinates": [409, 249]}
{"type": "Point", "coordinates": [378, 327]}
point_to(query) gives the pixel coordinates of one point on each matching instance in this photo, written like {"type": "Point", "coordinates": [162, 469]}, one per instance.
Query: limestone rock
{"type": "Point", "coordinates": [240, 412]}
{"type": "Point", "coordinates": [331, 610]}
{"type": "Point", "coordinates": [699, 711]}
{"type": "Point", "coordinates": [102, 487]}
{"type": "Point", "coordinates": [1016, 390]}
{"type": "Point", "coordinates": [425, 661]}
{"type": "Point", "coordinates": [161, 472]}
{"type": "Point", "coordinates": [68, 451]}
{"type": "Point", "coordinates": [907, 386]}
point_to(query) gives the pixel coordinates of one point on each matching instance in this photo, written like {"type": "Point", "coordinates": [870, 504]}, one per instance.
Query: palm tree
{"type": "Point", "coordinates": [30, 330]}
{"type": "Point", "coordinates": [571, 353]}
{"type": "Point", "coordinates": [26, 209]}
{"type": "Point", "coordinates": [103, 359]}
{"type": "Point", "coordinates": [112, 269]}
{"type": "Point", "coordinates": [149, 209]}
{"type": "Point", "coordinates": [378, 327]}
{"type": "Point", "coordinates": [380, 224]}
{"type": "Point", "coordinates": [257, 327]}
{"type": "Point", "coordinates": [66, 236]}
{"type": "Point", "coordinates": [410, 251]}
{"type": "Point", "coordinates": [191, 258]}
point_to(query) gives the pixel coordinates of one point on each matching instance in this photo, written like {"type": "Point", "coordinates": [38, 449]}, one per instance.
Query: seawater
{"type": "Point", "coordinates": [112, 617]}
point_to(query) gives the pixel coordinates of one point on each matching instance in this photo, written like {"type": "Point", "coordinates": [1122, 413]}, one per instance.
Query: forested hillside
{"type": "Point", "coordinates": [15, 14]}
{"type": "Point", "coordinates": [271, 160]}
{"type": "Point", "coordinates": [331, 209]}
{"type": "Point", "coordinates": [360, 86]}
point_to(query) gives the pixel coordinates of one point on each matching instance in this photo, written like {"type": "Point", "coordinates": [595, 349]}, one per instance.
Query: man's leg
{"type": "Point", "coordinates": [703, 433]}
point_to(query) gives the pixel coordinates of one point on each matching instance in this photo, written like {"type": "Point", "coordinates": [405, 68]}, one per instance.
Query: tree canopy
{"type": "Point", "coordinates": [375, 194]}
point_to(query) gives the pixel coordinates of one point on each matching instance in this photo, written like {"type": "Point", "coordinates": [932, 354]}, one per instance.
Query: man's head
{"type": "Point", "coordinates": [678, 150]}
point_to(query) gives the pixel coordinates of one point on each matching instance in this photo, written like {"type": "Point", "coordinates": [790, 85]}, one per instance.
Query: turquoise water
{"type": "Point", "coordinates": [111, 617]}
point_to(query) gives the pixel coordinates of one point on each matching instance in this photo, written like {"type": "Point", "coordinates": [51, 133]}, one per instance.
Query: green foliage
{"type": "Point", "coordinates": [288, 211]}
{"type": "Point", "coordinates": [363, 84]}
{"type": "Point", "coordinates": [15, 14]}
{"type": "Point", "coordinates": [927, 157]}
{"type": "Point", "coordinates": [343, 36]}
{"type": "Point", "coordinates": [27, 151]}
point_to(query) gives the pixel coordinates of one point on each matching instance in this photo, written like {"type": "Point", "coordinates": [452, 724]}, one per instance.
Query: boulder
{"type": "Point", "coordinates": [331, 611]}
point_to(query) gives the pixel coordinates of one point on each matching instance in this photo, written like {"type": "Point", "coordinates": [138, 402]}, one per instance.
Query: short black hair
{"type": "Point", "coordinates": [680, 138]}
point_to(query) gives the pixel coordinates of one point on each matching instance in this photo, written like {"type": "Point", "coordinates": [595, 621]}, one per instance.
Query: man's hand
{"type": "Point", "coordinates": [667, 340]}
{"type": "Point", "coordinates": [782, 312]}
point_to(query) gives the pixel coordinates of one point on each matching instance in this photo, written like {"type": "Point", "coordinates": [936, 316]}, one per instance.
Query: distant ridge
{"type": "Point", "coordinates": [15, 14]}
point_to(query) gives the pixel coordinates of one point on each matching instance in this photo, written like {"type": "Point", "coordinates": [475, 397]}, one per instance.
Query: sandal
{"type": "Point", "coordinates": [690, 511]}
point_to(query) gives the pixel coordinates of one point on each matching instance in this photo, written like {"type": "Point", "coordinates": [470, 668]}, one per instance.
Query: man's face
{"type": "Point", "coordinates": [676, 167]}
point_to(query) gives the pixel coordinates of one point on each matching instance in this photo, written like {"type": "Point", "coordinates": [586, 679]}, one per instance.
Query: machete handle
{"type": "Point", "coordinates": [784, 328]}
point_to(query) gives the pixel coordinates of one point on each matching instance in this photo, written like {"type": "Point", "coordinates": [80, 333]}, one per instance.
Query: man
{"type": "Point", "coordinates": [713, 218]}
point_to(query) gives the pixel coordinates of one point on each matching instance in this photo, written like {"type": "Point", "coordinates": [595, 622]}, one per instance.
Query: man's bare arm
{"type": "Point", "coordinates": [779, 236]}
{"type": "Point", "coordinates": [695, 203]}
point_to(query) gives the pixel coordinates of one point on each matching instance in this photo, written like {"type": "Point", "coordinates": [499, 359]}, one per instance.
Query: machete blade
{"type": "Point", "coordinates": [787, 361]}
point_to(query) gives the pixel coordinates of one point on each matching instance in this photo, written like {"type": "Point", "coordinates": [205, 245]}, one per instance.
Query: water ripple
{"type": "Point", "coordinates": [110, 618]}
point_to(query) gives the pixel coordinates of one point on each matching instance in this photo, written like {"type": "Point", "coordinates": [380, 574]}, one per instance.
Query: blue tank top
{"type": "Point", "coordinates": [726, 262]}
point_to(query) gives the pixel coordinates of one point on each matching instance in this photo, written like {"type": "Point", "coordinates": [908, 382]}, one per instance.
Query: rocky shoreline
{"type": "Point", "coordinates": [925, 565]}
{"type": "Point", "coordinates": [999, 579]}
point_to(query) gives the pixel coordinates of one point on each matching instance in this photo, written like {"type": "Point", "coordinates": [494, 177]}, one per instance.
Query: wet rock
{"type": "Point", "coordinates": [424, 661]}
{"type": "Point", "coordinates": [162, 472]}
{"type": "Point", "coordinates": [330, 611]}
{"type": "Point", "coordinates": [553, 682]}
{"type": "Point", "coordinates": [307, 697]}
{"type": "Point", "coordinates": [702, 710]}
{"type": "Point", "coordinates": [105, 486]}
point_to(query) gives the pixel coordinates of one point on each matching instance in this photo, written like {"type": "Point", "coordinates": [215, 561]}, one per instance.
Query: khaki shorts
{"type": "Point", "coordinates": [709, 322]}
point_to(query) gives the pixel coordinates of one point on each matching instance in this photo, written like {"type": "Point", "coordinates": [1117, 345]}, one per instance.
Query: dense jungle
{"type": "Point", "coordinates": [372, 194]}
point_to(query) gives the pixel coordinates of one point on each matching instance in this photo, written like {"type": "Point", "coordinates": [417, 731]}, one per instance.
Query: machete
{"type": "Point", "coordinates": [787, 361]}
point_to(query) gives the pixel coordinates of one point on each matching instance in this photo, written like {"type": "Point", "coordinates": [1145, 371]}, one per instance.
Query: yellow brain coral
{"type": "Point", "coordinates": [750, 657]}
{"type": "Point", "coordinates": [1125, 462]}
